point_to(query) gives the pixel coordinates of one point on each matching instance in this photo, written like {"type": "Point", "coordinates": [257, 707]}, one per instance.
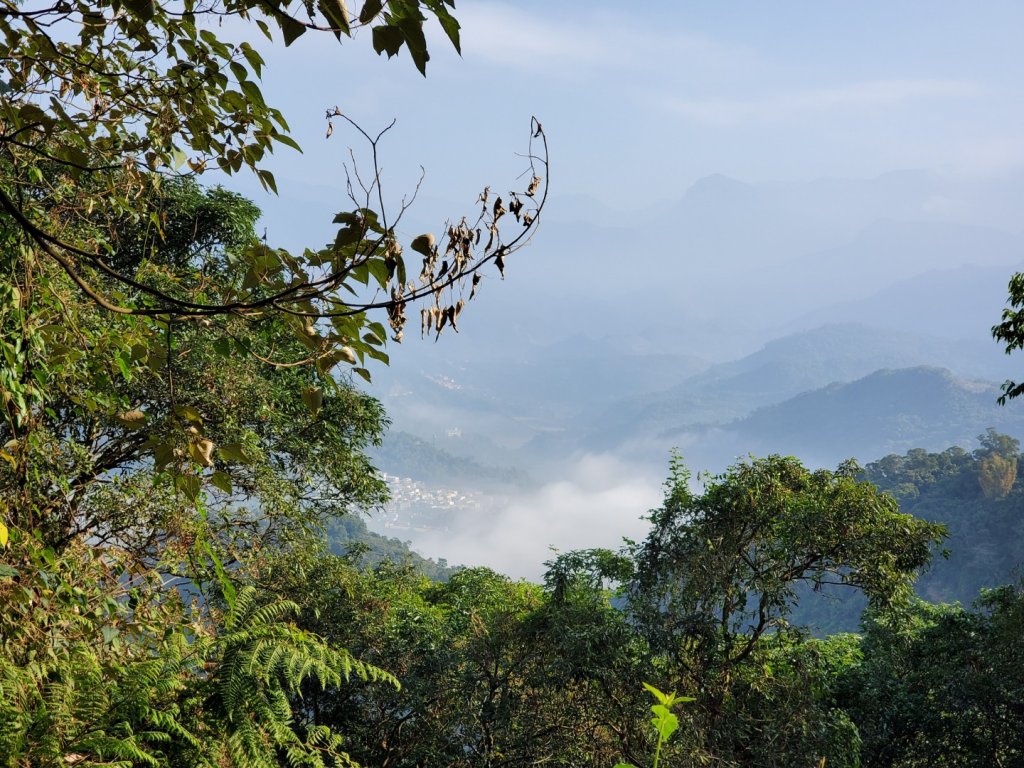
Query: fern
{"type": "Point", "coordinates": [86, 680]}
{"type": "Point", "coordinates": [263, 662]}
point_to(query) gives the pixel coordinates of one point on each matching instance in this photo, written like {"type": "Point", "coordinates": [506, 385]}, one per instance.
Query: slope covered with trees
{"type": "Point", "coordinates": [978, 496]}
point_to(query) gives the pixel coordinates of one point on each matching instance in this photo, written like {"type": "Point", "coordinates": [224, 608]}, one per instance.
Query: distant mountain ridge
{"type": "Point", "coordinates": [782, 369]}
{"type": "Point", "coordinates": [889, 411]}
{"type": "Point", "coordinates": [959, 303]}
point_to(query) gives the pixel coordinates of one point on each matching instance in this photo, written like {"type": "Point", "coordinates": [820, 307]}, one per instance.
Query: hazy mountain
{"type": "Point", "coordinates": [730, 263]}
{"type": "Point", "coordinates": [888, 411]}
{"type": "Point", "coordinates": [889, 251]}
{"type": "Point", "coordinates": [959, 303]}
{"type": "Point", "coordinates": [487, 406]}
{"type": "Point", "coordinates": [780, 370]}
{"type": "Point", "coordinates": [409, 456]}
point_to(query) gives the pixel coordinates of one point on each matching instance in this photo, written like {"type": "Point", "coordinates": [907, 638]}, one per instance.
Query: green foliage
{"type": "Point", "coordinates": [177, 406]}
{"type": "Point", "coordinates": [85, 91]}
{"type": "Point", "coordinates": [194, 443]}
{"type": "Point", "coordinates": [98, 666]}
{"type": "Point", "coordinates": [134, 478]}
{"type": "Point", "coordinates": [82, 678]}
{"type": "Point", "coordinates": [107, 108]}
{"type": "Point", "coordinates": [1010, 332]}
{"type": "Point", "coordinates": [712, 586]}
{"type": "Point", "coordinates": [347, 536]}
{"type": "Point", "coordinates": [261, 665]}
{"type": "Point", "coordinates": [986, 528]}
{"type": "Point", "coordinates": [493, 671]}
{"type": "Point", "coordinates": [722, 567]}
{"type": "Point", "coordinates": [941, 685]}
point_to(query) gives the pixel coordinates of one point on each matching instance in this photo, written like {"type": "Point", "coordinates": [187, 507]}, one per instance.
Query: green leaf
{"type": "Point", "coordinates": [290, 28]}
{"type": "Point", "coordinates": [370, 10]}
{"type": "Point", "coordinates": [288, 141]}
{"type": "Point", "coordinates": [661, 697]}
{"type": "Point", "coordinates": [227, 588]}
{"type": "Point", "coordinates": [267, 180]}
{"type": "Point", "coordinates": [221, 480]}
{"type": "Point", "coordinates": [222, 346]}
{"type": "Point", "coordinates": [387, 39]}
{"type": "Point", "coordinates": [664, 721]}
{"type": "Point", "coordinates": [347, 236]}
{"type": "Point", "coordinates": [449, 23]}
{"type": "Point", "coordinates": [379, 270]}
{"type": "Point", "coordinates": [412, 31]}
{"type": "Point", "coordinates": [189, 414]}
{"type": "Point", "coordinates": [178, 158]}
{"type": "Point", "coordinates": [122, 364]}
{"type": "Point", "coordinates": [348, 217]}
{"type": "Point", "coordinates": [233, 452]}
{"type": "Point", "coordinates": [336, 13]}
{"type": "Point", "coordinates": [31, 114]}
{"type": "Point", "coordinates": [163, 454]}
{"type": "Point", "coordinates": [189, 485]}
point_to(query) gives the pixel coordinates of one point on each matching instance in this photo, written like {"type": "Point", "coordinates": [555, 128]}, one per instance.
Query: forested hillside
{"type": "Point", "coordinates": [978, 496]}
{"type": "Point", "coordinates": [888, 411]}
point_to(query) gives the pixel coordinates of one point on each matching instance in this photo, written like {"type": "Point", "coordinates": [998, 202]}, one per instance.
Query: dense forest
{"type": "Point", "coordinates": [185, 448]}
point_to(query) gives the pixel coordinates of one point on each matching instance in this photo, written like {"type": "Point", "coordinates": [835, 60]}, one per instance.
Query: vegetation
{"type": "Point", "coordinates": [174, 416]}
{"type": "Point", "coordinates": [977, 495]}
{"type": "Point", "coordinates": [182, 443]}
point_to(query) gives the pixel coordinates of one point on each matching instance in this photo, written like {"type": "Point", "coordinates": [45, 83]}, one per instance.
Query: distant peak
{"type": "Point", "coordinates": [716, 183]}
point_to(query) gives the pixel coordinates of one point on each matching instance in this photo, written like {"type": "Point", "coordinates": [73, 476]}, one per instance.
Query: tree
{"type": "Point", "coordinates": [717, 577]}
{"type": "Point", "coordinates": [941, 685]}
{"type": "Point", "coordinates": [494, 672]}
{"type": "Point", "coordinates": [131, 627]}
{"type": "Point", "coordinates": [98, 666]}
{"type": "Point", "coordinates": [105, 104]}
{"type": "Point", "coordinates": [128, 435]}
{"type": "Point", "coordinates": [725, 564]}
{"type": "Point", "coordinates": [122, 94]}
{"type": "Point", "coordinates": [976, 495]}
{"type": "Point", "coordinates": [107, 110]}
{"type": "Point", "coordinates": [1010, 332]}
{"type": "Point", "coordinates": [177, 395]}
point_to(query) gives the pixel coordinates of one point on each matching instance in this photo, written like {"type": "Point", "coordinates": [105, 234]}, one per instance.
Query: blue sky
{"type": "Point", "coordinates": [640, 102]}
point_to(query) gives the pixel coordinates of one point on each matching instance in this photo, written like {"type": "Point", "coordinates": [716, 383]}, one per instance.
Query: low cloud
{"type": "Point", "coordinates": [600, 501]}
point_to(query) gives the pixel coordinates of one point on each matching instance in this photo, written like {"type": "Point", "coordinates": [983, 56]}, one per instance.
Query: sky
{"type": "Point", "coordinates": [638, 104]}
